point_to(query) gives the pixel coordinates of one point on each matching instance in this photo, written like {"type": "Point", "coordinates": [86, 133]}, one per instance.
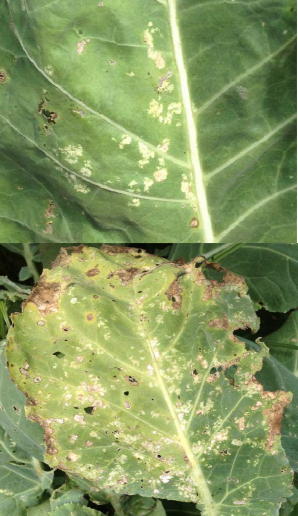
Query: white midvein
{"type": "Point", "coordinates": [251, 147]}
{"type": "Point", "coordinates": [96, 113]}
{"type": "Point", "coordinates": [252, 209]}
{"type": "Point", "coordinates": [201, 196]}
{"type": "Point", "coordinates": [197, 472]}
{"type": "Point", "coordinates": [87, 180]}
{"type": "Point", "coordinates": [245, 74]}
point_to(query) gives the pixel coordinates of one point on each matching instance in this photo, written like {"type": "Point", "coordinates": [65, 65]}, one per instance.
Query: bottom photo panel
{"type": "Point", "coordinates": [148, 380]}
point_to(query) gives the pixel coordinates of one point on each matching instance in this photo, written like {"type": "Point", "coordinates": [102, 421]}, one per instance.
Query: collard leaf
{"type": "Point", "coordinates": [26, 434]}
{"type": "Point", "coordinates": [122, 356]}
{"type": "Point", "coordinates": [138, 124]}
{"type": "Point", "coordinates": [140, 506]}
{"type": "Point", "coordinates": [73, 509]}
{"type": "Point", "coordinates": [22, 480]}
{"type": "Point", "coordinates": [43, 509]}
{"type": "Point", "coordinates": [283, 343]}
{"type": "Point", "coordinates": [270, 270]}
{"type": "Point", "coordinates": [67, 494]}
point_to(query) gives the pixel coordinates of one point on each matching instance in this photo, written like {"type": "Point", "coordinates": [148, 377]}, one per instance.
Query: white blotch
{"type": "Point", "coordinates": [126, 140]}
{"type": "Point", "coordinates": [150, 369]}
{"type": "Point", "coordinates": [81, 45]}
{"type": "Point", "coordinates": [160, 175]}
{"type": "Point", "coordinates": [49, 70]}
{"type": "Point", "coordinates": [146, 154]}
{"type": "Point", "coordinates": [72, 153]}
{"type": "Point", "coordinates": [165, 478]}
{"type": "Point", "coordinates": [73, 300]}
{"type": "Point", "coordinates": [73, 457]}
{"type": "Point", "coordinates": [164, 146]}
{"type": "Point", "coordinates": [130, 74]}
{"type": "Point", "coordinates": [86, 170]}
{"type": "Point", "coordinates": [147, 184]}
{"type": "Point", "coordinates": [79, 419]}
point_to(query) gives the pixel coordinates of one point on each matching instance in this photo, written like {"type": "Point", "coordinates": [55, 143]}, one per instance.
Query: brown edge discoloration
{"type": "Point", "coordinates": [48, 435]}
{"type": "Point", "coordinates": [274, 414]}
{"type": "Point", "coordinates": [45, 296]}
{"type": "Point", "coordinates": [127, 275]}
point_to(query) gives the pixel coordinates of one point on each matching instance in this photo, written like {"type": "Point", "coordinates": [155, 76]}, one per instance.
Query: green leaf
{"type": "Point", "coordinates": [44, 509]}
{"type": "Point", "coordinates": [275, 376]}
{"type": "Point", "coordinates": [270, 270]}
{"type": "Point", "coordinates": [283, 343]}
{"type": "Point", "coordinates": [21, 478]}
{"type": "Point", "coordinates": [25, 433]}
{"type": "Point", "coordinates": [72, 509]}
{"type": "Point", "coordinates": [123, 356]}
{"type": "Point", "coordinates": [13, 292]}
{"type": "Point", "coordinates": [66, 494]}
{"type": "Point", "coordinates": [25, 274]}
{"type": "Point", "coordinates": [180, 509]}
{"type": "Point", "coordinates": [159, 120]}
{"type": "Point", "coordinates": [139, 506]}
{"type": "Point", "coordinates": [290, 507]}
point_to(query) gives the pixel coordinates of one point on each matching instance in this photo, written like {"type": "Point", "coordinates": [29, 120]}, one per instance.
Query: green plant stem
{"type": "Point", "coordinates": [225, 252]}
{"type": "Point", "coordinates": [116, 504]}
{"type": "Point", "coordinates": [30, 263]}
{"type": "Point", "coordinates": [4, 320]}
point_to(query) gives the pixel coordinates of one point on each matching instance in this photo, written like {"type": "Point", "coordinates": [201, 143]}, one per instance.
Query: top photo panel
{"type": "Point", "coordinates": [148, 121]}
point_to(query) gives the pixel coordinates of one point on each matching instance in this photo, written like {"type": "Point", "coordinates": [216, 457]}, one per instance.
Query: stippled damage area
{"type": "Point", "coordinates": [124, 358]}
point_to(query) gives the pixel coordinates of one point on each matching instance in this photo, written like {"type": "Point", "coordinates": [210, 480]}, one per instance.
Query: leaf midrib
{"type": "Point", "coordinates": [185, 444]}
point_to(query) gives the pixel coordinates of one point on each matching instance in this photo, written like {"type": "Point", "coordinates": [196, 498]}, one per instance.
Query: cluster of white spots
{"type": "Point", "coordinates": [159, 319]}
{"type": "Point", "coordinates": [243, 92]}
{"type": "Point", "coordinates": [147, 184]}
{"type": "Point", "coordinates": [79, 112]}
{"type": "Point", "coordinates": [79, 359]}
{"type": "Point", "coordinates": [126, 140]}
{"type": "Point", "coordinates": [150, 369]}
{"type": "Point", "coordinates": [186, 188]}
{"type": "Point", "coordinates": [81, 45]}
{"type": "Point", "coordinates": [153, 54]}
{"type": "Point", "coordinates": [73, 300]}
{"type": "Point", "coordinates": [86, 170]}
{"type": "Point", "coordinates": [220, 437]}
{"type": "Point", "coordinates": [165, 478]}
{"type": "Point", "coordinates": [257, 405]}
{"type": "Point", "coordinates": [203, 361]}
{"type": "Point", "coordinates": [236, 442]}
{"type": "Point", "coordinates": [241, 502]}
{"type": "Point", "coordinates": [135, 203]}
{"type": "Point", "coordinates": [164, 85]}
{"type": "Point", "coordinates": [130, 74]}
{"type": "Point", "coordinates": [72, 153]}
{"type": "Point", "coordinates": [79, 419]}
{"type": "Point", "coordinates": [41, 323]}
{"type": "Point", "coordinates": [49, 70]}
{"type": "Point", "coordinates": [89, 443]}
{"type": "Point", "coordinates": [205, 407]}
{"type": "Point", "coordinates": [73, 457]}
{"type": "Point", "coordinates": [164, 146]}
{"type": "Point", "coordinates": [156, 110]}
{"type": "Point", "coordinates": [146, 154]}
{"type": "Point", "coordinates": [241, 423]}
{"type": "Point", "coordinates": [155, 344]}
{"type": "Point", "coordinates": [160, 174]}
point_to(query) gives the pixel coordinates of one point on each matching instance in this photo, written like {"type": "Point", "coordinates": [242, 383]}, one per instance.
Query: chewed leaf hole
{"type": "Point", "coordinates": [126, 393]}
{"type": "Point", "coordinates": [88, 410]}
{"type": "Point", "coordinates": [58, 354]}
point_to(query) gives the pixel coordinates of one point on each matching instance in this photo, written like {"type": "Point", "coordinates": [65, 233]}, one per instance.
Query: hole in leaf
{"type": "Point", "coordinates": [58, 354]}
{"type": "Point", "coordinates": [126, 393]}
{"type": "Point", "coordinates": [213, 370]}
{"type": "Point", "coordinates": [88, 410]}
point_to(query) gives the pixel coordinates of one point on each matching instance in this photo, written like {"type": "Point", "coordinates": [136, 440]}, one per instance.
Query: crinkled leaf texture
{"type": "Point", "coordinates": [147, 120]}
{"type": "Point", "coordinates": [122, 356]}
{"type": "Point", "coordinates": [22, 481]}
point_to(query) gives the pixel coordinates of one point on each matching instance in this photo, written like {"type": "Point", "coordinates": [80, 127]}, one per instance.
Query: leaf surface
{"type": "Point", "coordinates": [147, 121]}
{"type": "Point", "coordinates": [283, 343]}
{"type": "Point", "coordinates": [270, 270]}
{"type": "Point", "coordinates": [126, 374]}
{"type": "Point", "coordinates": [21, 478]}
{"type": "Point", "coordinates": [72, 509]}
{"type": "Point", "coordinates": [27, 434]}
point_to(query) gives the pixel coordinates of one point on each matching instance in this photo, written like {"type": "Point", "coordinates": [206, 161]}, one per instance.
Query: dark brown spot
{"type": "Point", "coordinates": [194, 223]}
{"type": "Point", "coordinates": [90, 317]}
{"type": "Point", "coordinates": [92, 272]}
{"type": "Point", "coordinates": [2, 76]}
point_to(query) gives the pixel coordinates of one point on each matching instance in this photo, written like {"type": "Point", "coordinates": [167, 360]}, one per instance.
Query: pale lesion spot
{"type": "Point", "coordinates": [81, 45]}
{"type": "Point", "coordinates": [153, 54]}
{"type": "Point", "coordinates": [146, 154]}
{"type": "Point", "coordinates": [160, 175]}
{"type": "Point", "coordinates": [126, 140]}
